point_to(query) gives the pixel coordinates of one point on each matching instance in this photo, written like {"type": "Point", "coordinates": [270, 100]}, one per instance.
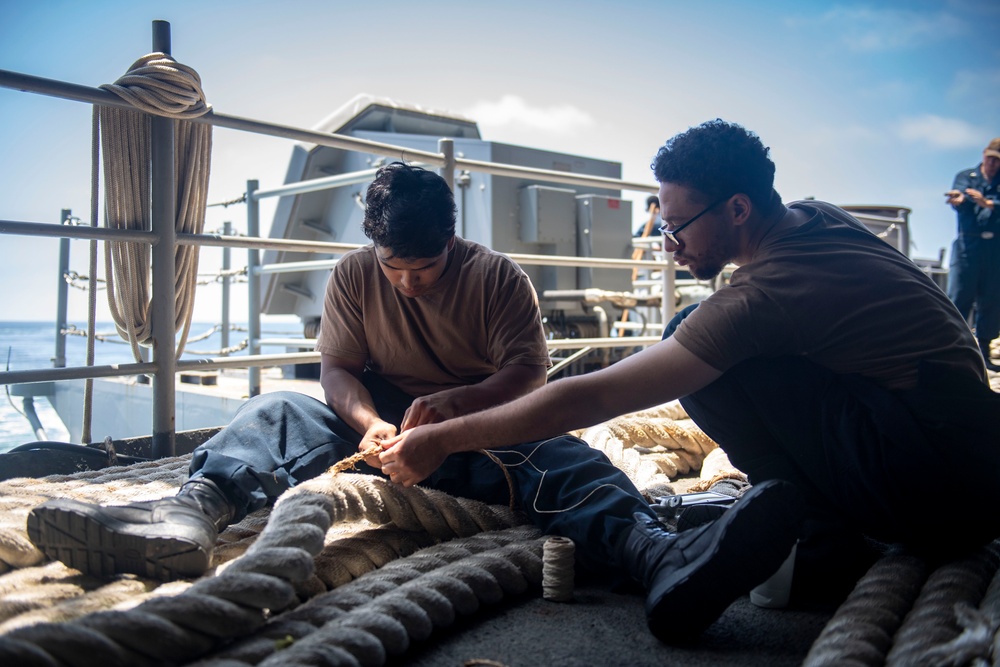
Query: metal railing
{"type": "Point", "coordinates": [162, 237]}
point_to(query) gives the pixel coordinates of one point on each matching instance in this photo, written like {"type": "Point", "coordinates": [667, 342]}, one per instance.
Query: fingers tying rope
{"type": "Point", "coordinates": [353, 460]}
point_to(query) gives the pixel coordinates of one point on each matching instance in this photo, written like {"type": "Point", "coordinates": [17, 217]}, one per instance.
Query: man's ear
{"type": "Point", "coordinates": [742, 207]}
{"type": "Point", "coordinates": [451, 243]}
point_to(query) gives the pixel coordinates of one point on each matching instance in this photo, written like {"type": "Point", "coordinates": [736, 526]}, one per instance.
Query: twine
{"type": "Point", "coordinates": [558, 554]}
{"type": "Point", "coordinates": [353, 460]}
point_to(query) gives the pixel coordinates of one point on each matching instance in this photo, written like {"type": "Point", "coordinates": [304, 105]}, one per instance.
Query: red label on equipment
{"type": "Point", "coordinates": [614, 203]}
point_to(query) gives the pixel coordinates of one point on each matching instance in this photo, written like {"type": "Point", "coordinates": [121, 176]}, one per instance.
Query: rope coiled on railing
{"type": "Point", "coordinates": [155, 84]}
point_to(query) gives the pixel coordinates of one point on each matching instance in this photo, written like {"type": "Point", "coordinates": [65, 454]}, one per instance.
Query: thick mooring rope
{"type": "Point", "coordinates": [899, 616]}
{"type": "Point", "coordinates": [861, 630]}
{"type": "Point", "coordinates": [180, 628]}
{"type": "Point", "coordinates": [381, 613]}
{"type": "Point", "coordinates": [237, 600]}
{"type": "Point", "coordinates": [674, 444]}
{"type": "Point", "coordinates": [155, 84]}
{"type": "Point", "coordinates": [923, 639]}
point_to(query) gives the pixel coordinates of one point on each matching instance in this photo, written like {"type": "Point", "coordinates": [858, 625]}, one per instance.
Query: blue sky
{"type": "Point", "coordinates": [861, 103]}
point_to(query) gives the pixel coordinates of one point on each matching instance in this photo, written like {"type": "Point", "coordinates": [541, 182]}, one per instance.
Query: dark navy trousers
{"type": "Point", "coordinates": [565, 487]}
{"type": "Point", "coordinates": [920, 467]}
{"type": "Point", "coordinates": [974, 280]}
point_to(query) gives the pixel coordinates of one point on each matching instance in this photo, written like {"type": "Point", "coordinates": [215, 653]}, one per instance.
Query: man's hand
{"type": "Point", "coordinates": [508, 383]}
{"type": "Point", "coordinates": [431, 409]}
{"type": "Point", "coordinates": [955, 197]}
{"type": "Point", "coordinates": [375, 435]}
{"type": "Point", "coordinates": [412, 456]}
{"type": "Point", "coordinates": [977, 196]}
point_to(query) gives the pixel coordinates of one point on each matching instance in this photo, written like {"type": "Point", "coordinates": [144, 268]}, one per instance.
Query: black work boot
{"type": "Point", "coordinates": [692, 576]}
{"type": "Point", "coordinates": [166, 539]}
{"type": "Point", "coordinates": [697, 515]}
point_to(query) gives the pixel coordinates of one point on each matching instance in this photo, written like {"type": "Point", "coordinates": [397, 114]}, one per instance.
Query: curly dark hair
{"type": "Point", "coordinates": [409, 211]}
{"type": "Point", "coordinates": [719, 159]}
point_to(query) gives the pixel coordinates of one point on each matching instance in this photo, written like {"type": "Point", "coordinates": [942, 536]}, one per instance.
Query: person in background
{"type": "Point", "coordinates": [802, 372]}
{"type": "Point", "coordinates": [974, 271]}
{"type": "Point", "coordinates": [648, 226]}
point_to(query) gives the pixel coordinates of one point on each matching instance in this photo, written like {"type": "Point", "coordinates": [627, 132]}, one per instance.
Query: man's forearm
{"type": "Point", "coordinates": [350, 399]}
{"type": "Point", "coordinates": [502, 387]}
{"type": "Point", "coordinates": [544, 413]}
{"type": "Point", "coordinates": [659, 374]}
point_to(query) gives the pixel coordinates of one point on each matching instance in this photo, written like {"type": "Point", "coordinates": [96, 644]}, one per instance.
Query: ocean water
{"type": "Point", "coordinates": [32, 345]}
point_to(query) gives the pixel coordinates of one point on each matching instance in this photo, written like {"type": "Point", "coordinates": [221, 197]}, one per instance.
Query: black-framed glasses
{"type": "Point", "coordinates": [671, 234]}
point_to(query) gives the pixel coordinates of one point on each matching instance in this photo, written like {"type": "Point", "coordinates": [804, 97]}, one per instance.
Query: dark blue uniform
{"type": "Point", "coordinates": [974, 274]}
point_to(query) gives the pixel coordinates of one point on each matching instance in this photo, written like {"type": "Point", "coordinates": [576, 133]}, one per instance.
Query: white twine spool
{"type": "Point", "coordinates": [558, 555]}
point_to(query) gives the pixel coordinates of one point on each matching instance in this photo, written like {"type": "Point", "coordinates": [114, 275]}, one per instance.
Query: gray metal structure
{"type": "Point", "coordinates": [509, 214]}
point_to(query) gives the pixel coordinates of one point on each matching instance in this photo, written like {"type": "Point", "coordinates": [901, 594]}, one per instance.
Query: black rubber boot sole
{"type": "Point", "coordinates": [86, 538]}
{"type": "Point", "coordinates": [751, 541]}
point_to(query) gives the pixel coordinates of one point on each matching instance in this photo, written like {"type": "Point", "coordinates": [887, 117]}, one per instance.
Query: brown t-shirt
{"type": "Point", "coordinates": [481, 315]}
{"type": "Point", "coordinates": [834, 293]}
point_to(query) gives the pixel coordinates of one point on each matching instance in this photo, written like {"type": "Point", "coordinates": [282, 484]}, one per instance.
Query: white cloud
{"type": "Point", "coordinates": [864, 29]}
{"type": "Point", "coordinates": [511, 110]}
{"type": "Point", "coordinates": [940, 132]}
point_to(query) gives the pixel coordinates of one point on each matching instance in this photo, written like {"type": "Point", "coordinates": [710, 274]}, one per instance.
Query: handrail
{"type": "Point", "coordinates": [64, 90]}
{"type": "Point", "coordinates": [261, 360]}
{"type": "Point", "coordinates": [52, 229]}
{"type": "Point", "coordinates": [165, 365]}
{"type": "Point", "coordinates": [263, 243]}
{"type": "Point", "coordinates": [78, 93]}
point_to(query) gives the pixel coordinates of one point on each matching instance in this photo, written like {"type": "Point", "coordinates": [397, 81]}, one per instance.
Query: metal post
{"type": "Point", "coordinates": [667, 306]}
{"type": "Point", "coordinates": [163, 205]}
{"type": "Point", "coordinates": [227, 230]}
{"type": "Point", "coordinates": [253, 284]}
{"type": "Point", "coordinates": [59, 361]}
{"type": "Point", "coordinates": [447, 147]}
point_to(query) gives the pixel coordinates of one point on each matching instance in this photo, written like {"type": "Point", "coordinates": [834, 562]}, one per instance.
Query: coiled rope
{"type": "Point", "coordinates": [155, 84]}
{"type": "Point", "coordinates": [380, 614]}
{"type": "Point", "coordinates": [952, 588]}
{"type": "Point", "coordinates": [897, 615]}
{"type": "Point", "coordinates": [653, 447]}
{"type": "Point", "coordinates": [861, 633]}
{"type": "Point", "coordinates": [236, 601]}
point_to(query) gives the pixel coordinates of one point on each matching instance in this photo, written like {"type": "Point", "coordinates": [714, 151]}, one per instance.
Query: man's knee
{"type": "Point", "coordinates": [278, 400]}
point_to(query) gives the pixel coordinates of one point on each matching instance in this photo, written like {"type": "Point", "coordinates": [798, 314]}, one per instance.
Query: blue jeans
{"type": "Point", "coordinates": [565, 487]}
{"type": "Point", "coordinates": [920, 466]}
